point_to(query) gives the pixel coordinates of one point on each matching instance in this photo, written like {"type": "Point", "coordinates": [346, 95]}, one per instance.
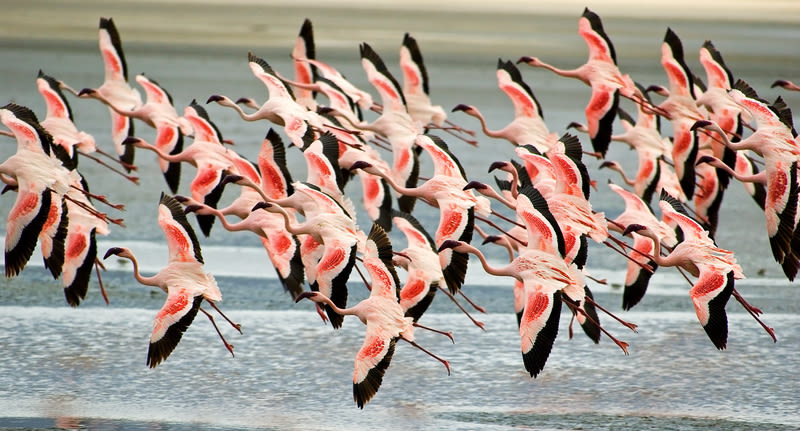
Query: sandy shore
{"type": "Point", "coordinates": [343, 23]}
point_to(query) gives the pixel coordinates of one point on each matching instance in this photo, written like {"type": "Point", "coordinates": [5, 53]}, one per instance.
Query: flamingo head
{"type": "Point", "coordinates": [492, 239]}
{"type": "Point", "coordinates": [705, 159]}
{"type": "Point", "coordinates": [701, 124]}
{"type": "Point", "coordinates": [462, 107]}
{"type": "Point", "coordinates": [314, 296]}
{"type": "Point", "coordinates": [118, 251]}
{"type": "Point", "coordinates": [449, 243]}
{"type": "Point", "coordinates": [633, 227]}
{"type": "Point", "coordinates": [360, 164]}
{"type": "Point", "coordinates": [261, 206]}
{"type": "Point", "coordinates": [216, 98]}
{"type": "Point", "coordinates": [608, 164]}
{"type": "Point", "coordinates": [87, 92]}
{"type": "Point", "coordinates": [498, 165]}
{"type": "Point", "coordinates": [780, 83]}
{"type": "Point", "coordinates": [475, 185]}
{"type": "Point", "coordinates": [530, 61]}
{"type": "Point", "coordinates": [133, 140]}
{"type": "Point", "coordinates": [192, 208]}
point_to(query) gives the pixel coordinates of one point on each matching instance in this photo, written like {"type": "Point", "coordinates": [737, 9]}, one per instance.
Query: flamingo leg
{"type": "Point", "coordinates": [754, 311]}
{"type": "Point", "coordinates": [622, 345]}
{"type": "Point", "coordinates": [447, 334]}
{"type": "Point", "coordinates": [224, 341]}
{"type": "Point", "coordinates": [236, 326]}
{"type": "Point", "coordinates": [444, 362]}
{"type": "Point", "coordinates": [477, 323]}
{"type": "Point", "coordinates": [470, 302]}
{"type": "Point", "coordinates": [97, 265]}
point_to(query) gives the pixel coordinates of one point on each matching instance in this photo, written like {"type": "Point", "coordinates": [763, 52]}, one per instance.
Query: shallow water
{"type": "Point", "coordinates": [85, 368]}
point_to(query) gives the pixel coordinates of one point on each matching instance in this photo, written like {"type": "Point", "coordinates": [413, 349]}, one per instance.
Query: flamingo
{"type": "Point", "coordinates": [457, 207]}
{"type": "Point", "coordinates": [183, 279]}
{"type": "Point", "coordinates": [638, 212]}
{"type": "Point", "coordinates": [528, 126]}
{"type": "Point", "coordinates": [211, 158]}
{"type": "Point", "coordinates": [715, 268]}
{"type": "Point", "coordinates": [601, 73]}
{"type": "Point", "coordinates": [330, 226]}
{"type": "Point", "coordinates": [681, 109]}
{"type": "Point", "coordinates": [158, 112]}
{"type": "Point", "coordinates": [115, 89]}
{"type": "Point", "coordinates": [58, 121]}
{"type": "Point", "coordinates": [415, 85]}
{"type": "Point", "coordinates": [281, 108]}
{"type": "Point", "coordinates": [41, 183]}
{"type": "Point", "coordinates": [773, 140]}
{"type": "Point", "coordinates": [383, 315]}
{"type": "Point", "coordinates": [395, 124]}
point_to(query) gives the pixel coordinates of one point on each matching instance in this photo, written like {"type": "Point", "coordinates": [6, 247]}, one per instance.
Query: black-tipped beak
{"type": "Point", "coordinates": [112, 250]}
{"type": "Point", "coordinates": [524, 59]}
{"type": "Point", "coordinates": [704, 159]}
{"type": "Point", "coordinates": [497, 165]}
{"type": "Point", "coordinates": [131, 140]}
{"type": "Point", "coordinates": [779, 83]}
{"type": "Point", "coordinates": [448, 244]}
{"type": "Point", "coordinates": [491, 239]}
{"type": "Point", "coordinates": [260, 206]}
{"type": "Point", "coordinates": [231, 179]}
{"type": "Point", "coordinates": [191, 208]}
{"type": "Point", "coordinates": [180, 198]}
{"type": "Point", "coordinates": [360, 164]}
{"type": "Point", "coordinates": [214, 98]}
{"type": "Point", "coordinates": [461, 107]}
{"type": "Point", "coordinates": [632, 228]}
{"type": "Point", "coordinates": [304, 295]}
{"type": "Point", "coordinates": [699, 124]}
{"type": "Point", "coordinates": [606, 164]}
{"type": "Point", "coordinates": [475, 185]}
{"type": "Point", "coordinates": [86, 92]}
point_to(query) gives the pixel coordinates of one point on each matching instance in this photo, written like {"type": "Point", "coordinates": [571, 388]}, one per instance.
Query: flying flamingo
{"type": "Point", "coordinates": [528, 126]}
{"type": "Point", "coordinates": [457, 207]}
{"type": "Point", "coordinates": [638, 212]}
{"type": "Point", "coordinates": [395, 124]}
{"type": "Point", "coordinates": [211, 158]}
{"type": "Point", "coordinates": [115, 89]}
{"type": "Point", "coordinates": [281, 108]}
{"type": "Point", "coordinates": [383, 315]}
{"type": "Point", "coordinates": [158, 112]}
{"type": "Point", "coordinates": [773, 140]}
{"type": "Point", "coordinates": [421, 262]}
{"type": "Point", "coordinates": [330, 225]}
{"type": "Point", "coordinates": [41, 183]}
{"type": "Point", "coordinates": [601, 73]}
{"type": "Point", "coordinates": [183, 279]}
{"type": "Point", "coordinates": [715, 268]}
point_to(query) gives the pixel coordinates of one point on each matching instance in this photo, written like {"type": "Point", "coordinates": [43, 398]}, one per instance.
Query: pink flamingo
{"type": "Point", "coordinates": [183, 279]}
{"type": "Point", "coordinates": [601, 73]}
{"type": "Point", "coordinates": [115, 90]}
{"type": "Point", "coordinates": [528, 126]}
{"type": "Point", "coordinates": [383, 315]}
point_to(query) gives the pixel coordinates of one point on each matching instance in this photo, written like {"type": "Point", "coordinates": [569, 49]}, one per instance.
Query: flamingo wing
{"type": "Point", "coordinates": [590, 27]}
{"type": "Point", "coordinates": [181, 239]}
{"type": "Point", "coordinates": [710, 294]}
{"type": "Point", "coordinates": [510, 81]}
{"type": "Point", "coordinates": [371, 363]}
{"type": "Point", "coordinates": [332, 273]}
{"type": "Point", "coordinates": [207, 187]}
{"type": "Point", "coordinates": [111, 49]}
{"type": "Point", "coordinates": [538, 327]}
{"type": "Point", "coordinates": [636, 278]}
{"type": "Point", "coordinates": [382, 79]}
{"type": "Point", "coordinates": [600, 113]}
{"type": "Point", "coordinates": [264, 72]}
{"type": "Point", "coordinates": [169, 139]}
{"type": "Point", "coordinates": [171, 322]}
{"type": "Point", "coordinates": [455, 223]}
{"type": "Point", "coordinates": [57, 105]}
{"type": "Point", "coordinates": [25, 221]}
{"type": "Point", "coordinates": [79, 258]}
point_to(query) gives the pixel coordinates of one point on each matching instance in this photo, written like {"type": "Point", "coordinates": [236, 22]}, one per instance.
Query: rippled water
{"type": "Point", "coordinates": [85, 368]}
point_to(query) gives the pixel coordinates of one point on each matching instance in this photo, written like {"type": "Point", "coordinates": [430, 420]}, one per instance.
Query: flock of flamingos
{"type": "Point", "coordinates": [721, 129]}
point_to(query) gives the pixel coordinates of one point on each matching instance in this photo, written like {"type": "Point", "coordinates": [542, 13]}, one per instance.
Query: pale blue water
{"type": "Point", "coordinates": [85, 368]}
